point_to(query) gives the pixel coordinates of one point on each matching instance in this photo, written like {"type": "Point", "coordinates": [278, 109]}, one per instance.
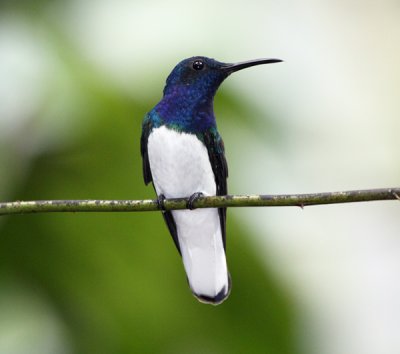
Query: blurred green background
{"type": "Point", "coordinates": [76, 78]}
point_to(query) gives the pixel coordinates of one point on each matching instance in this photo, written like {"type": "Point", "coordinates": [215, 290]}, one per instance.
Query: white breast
{"type": "Point", "coordinates": [179, 164]}
{"type": "Point", "coordinates": [180, 167]}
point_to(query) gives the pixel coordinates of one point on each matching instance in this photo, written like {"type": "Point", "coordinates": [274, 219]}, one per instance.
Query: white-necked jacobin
{"type": "Point", "coordinates": [183, 155]}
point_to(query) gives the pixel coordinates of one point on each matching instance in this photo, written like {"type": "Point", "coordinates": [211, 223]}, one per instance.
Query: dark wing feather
{"type": "Point", "coordinates": [216, 154]}
{"type": "Point", "coordinates": [169, 219]}
{"type": "Point", "coordinates": [147, 126]}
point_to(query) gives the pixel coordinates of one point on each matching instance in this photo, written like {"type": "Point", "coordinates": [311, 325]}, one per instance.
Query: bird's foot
{"type": "Point", "coordinates": [192, 199]}
{"type": "Point", "coordinates": [160, 202]}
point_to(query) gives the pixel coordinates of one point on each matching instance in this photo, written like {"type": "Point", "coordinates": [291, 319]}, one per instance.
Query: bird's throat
{"type": "Point", "coordinates": [188, 112]}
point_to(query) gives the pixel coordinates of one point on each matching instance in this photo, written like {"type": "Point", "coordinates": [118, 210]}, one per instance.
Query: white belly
{"type": "Point", "coordinates": [180, 167]}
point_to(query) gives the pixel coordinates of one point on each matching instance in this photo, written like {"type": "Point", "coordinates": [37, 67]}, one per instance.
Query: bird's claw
{"type": "Point", "coordinates": [192, 199]}
{"type": "Point", "coordinates": [160, 202]}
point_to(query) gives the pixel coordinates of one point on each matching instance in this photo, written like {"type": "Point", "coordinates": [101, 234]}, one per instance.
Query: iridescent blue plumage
{"type": "Point", "coordinates": [183, 155]}
{"type": "Point", "coordinates": [187, 104]}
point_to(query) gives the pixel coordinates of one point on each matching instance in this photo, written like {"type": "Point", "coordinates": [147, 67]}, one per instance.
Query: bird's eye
{"type": "Point", "coordinates": [198, 65]}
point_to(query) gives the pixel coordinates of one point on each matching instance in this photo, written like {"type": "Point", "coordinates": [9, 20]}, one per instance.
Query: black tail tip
{"type": "Point", "coordinates": [217, 299]}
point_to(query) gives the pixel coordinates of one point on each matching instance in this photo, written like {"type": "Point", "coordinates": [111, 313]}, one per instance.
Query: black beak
{"type": "Point", "coordinates": [230, 68]}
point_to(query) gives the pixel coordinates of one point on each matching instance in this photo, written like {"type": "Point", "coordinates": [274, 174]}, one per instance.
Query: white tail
{"type": "Point", "coordinates": [203, 253]}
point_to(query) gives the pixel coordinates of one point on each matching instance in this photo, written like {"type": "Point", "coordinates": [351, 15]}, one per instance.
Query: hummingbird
{"type": "Point", "coordinates": [183, 156]}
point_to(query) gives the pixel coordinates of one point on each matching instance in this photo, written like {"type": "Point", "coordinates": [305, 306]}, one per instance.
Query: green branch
{"type": "Point", "coordinates": [299, 200]}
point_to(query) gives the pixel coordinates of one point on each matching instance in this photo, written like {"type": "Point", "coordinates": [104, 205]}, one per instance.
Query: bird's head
{"type": "Point", "coordinates": [202, 76]}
